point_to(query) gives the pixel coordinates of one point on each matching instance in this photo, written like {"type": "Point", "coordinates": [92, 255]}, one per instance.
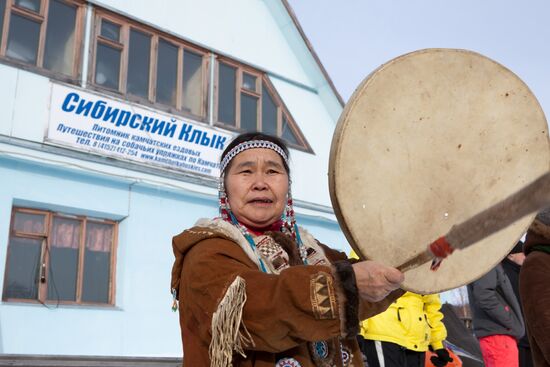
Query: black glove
{"type": "Point", "coordinates": [442, 358]}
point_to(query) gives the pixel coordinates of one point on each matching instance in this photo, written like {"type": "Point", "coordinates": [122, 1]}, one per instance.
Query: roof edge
{"type": "Point", "coordinates": [294, 18]}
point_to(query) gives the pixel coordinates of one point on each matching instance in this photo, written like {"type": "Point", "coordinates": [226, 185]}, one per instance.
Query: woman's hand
{"type": "Point", "coordinates": [375, 281]}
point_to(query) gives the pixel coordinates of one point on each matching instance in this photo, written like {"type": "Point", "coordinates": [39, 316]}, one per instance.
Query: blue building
{"type": "Point", "coordinates": [112, 118]}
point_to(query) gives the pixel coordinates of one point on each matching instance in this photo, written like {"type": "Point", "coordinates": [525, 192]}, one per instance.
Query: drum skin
{"type": "Point", "coordinates": [426, 141]}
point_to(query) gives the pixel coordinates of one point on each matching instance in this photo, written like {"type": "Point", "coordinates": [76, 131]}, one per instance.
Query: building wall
{"type": "Point", "coordinates": [151, 204]}
{"type": "Point", "coordinates": [239, 28]}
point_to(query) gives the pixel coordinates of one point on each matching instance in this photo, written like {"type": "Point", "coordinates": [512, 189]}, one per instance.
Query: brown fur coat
{"type": "Point", "coordinates": [535, 294]}
{"type": "Point", "coordinates": [280, 313]}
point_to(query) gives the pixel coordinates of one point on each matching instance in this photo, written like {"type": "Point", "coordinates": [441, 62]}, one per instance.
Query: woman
{"type": "Point", "coordinates": [256, 290]}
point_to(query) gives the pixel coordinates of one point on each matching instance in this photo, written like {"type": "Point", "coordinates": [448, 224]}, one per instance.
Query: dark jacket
{"type": "Point", "coordinates": [512, 272]}
{"type": "Point", "coordinates": [534, 287]}
{"type": "Point", "coordinates": [495, 308]}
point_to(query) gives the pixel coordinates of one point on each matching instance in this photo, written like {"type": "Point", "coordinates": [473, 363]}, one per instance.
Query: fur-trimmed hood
{"type": "Point", "coordinates": [538, 234]}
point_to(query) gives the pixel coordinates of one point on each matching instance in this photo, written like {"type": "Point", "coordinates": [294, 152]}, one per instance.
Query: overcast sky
{"type": "Point", "coordinates": [354, 37]}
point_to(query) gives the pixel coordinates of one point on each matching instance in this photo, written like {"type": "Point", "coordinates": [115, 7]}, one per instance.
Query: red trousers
{"type": "Point", "coordinates": [499, 351]}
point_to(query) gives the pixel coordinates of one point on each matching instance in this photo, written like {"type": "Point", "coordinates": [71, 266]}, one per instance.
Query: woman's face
{"type": "Point", "coordinates": [257, 185]}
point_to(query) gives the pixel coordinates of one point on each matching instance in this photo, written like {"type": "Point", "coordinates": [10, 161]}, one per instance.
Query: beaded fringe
{"type": "Point", "coordinates": [226, 324]}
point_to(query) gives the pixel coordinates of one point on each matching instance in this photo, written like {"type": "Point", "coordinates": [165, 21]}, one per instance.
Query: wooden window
{"type": "Point", "coordinates": [193, 82]}
{"type": "Point", "coordinates": [250, 101]}
{"type": "Point", "coordinates": [2, 16]}
{"type": "Point", "coordinates": [139, 63]}
{"type": "Point", "coordinates": [247, 101]}
{"type": "Point", "coordinates": [167, 69]}
{"type": "Point", "coordinates": [238, 96]}
{"type": "Point", "coordinates": [60, 258]}
{"type": "Point", "coordinates": [284, 125]}
{"type": "Point", "coordinates": [287, 132]}
{"type": "Point", "coordinates": [227, 97]}
{"type": "Point", "coordinates": [45, 34]}
{"type": "Point", "coordinates": [270, 114]}
{"type": "Point", "coordinates": [108, 55]}
{"type": "Point", "coordinates": [146, 65]}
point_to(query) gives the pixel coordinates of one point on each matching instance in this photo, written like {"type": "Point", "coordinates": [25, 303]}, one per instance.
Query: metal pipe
{"type": "Point", "coordinates": [86, 49]}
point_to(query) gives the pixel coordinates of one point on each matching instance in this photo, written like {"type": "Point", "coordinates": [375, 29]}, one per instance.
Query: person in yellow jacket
{"type": "Point", "coordinates": [402, 334]}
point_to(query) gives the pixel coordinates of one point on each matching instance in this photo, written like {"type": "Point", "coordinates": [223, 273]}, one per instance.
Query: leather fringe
{"type": "Point", "coordinates": [227, 336]}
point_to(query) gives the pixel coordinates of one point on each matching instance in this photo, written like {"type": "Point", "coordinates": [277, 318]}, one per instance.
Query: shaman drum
{"type": "Point", "coordinates": [428, 140]}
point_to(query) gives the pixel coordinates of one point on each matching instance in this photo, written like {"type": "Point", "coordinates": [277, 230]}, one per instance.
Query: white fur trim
{"type": "Point", "coordinates": [310, 241]}
{"type": "Point", "coordinates": [230, 231]}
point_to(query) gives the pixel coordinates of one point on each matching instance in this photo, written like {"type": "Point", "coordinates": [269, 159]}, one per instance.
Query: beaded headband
{"type": "Point", "coordinates": [263, 144]}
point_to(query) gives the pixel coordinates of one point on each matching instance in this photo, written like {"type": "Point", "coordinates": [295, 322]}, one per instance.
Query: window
{"type": "Point", "coordinates": [108, 56]}
{"type": "Point", "coordinates": [167, 67]}
{"type": "Point", "coordinates": [43, 34]}
{"type": "Point", "coordinates": [270, 113]}
{"type": "Point", "coordinates": [54, 257]}
{"type": "Point", "coordinates": [2, 12]}
{"type": "Point", "coordinates": [227, 81]}
{"type": "Point", "coordinates": [193, 82]}
{"type": "Point", "coordinates": [138, 68]}
{"type": "Point", "coordinates": [143, 63]}
{"type": "Point", "coordinates": [247, 101]}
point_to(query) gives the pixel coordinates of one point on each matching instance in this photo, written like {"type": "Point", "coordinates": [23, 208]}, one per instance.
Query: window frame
{"type": "Point", "coordinates": [239, 88]}
{"type": "Point", "coordinates": [126, 25]}
{"type": "Point", "coordinates": [262, 80]}
{"type": "Point", "coordinates": [42, 18]}
{"type": "Point", "coordinates": [282, 110]}
{"type": "Point", "coordinates": [45, 257]}
{"type": "Point", "coordinates": [120, 45]}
